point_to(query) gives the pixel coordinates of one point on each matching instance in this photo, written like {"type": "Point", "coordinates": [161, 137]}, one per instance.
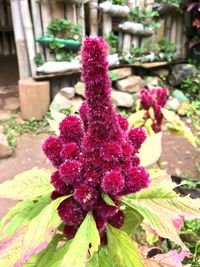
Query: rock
{"type": "Point", "coordinates": [68, 92]}
{"type": "Point", "coordinates": [153, 81]}
{"type": "Point", "coordinates": [80, 88]}
{"type": "Point", "coordinates": [131, 84]}
{"type": "Point", "coordinates": [59, 67]}
{"type": "Point", "coordinates": [122, 99]}
{"type": "Point", "coordinates": [161, 72]}
{"type": "Point", "coordinates": [181, 72]}
{"type": "Point", "coordinates": [179, 95]}
{"type": "Point", "coordinates": [113, 59]}
{"type": "Point", "coordinates": [11, 103]}
{"type": "Point", "coordinates": [122, 73]}
{"type": "Point", "coordinates": [60, 102]}
{"type": "Point", "coordinates": [173, 104]}
{"type": "Point", "coordinates": [5, 149]}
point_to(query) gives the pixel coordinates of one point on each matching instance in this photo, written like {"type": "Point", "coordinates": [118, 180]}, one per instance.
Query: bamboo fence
{"type": "Point", "coordinates": [31, 18]}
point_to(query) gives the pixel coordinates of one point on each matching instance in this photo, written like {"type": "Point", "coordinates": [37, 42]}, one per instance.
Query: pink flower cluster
{"type": "Point", "coordinates": [156, 99]}
{"type": "Point", "coordinates": [95, 155]}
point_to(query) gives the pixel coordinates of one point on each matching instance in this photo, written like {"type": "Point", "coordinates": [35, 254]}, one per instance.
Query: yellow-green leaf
{"type": "Point", "coordinates": [41, 230]}
{"type": "Point", "coordinates": [151, 150]}
{"type": "Point", "coordinates": [27, 185]}
{"type": "Point", "coordinates": [86, 239]}
{"type": "Point", "coordinates": [122, 249]}
{"type": "Point", "coordinates": [175, 124]}
{"type": "Point", "coordinates": [160, 205]}
{"type": "Point", "coordinates": [135, 118]}
{"type": "Point", "coordinates": [22, 213]}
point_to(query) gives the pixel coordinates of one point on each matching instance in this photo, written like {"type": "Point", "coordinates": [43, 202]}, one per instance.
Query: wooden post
{"type": "Point", "coordinates": [22, 55]}
{"type": "Point", "coordinates": [34, 98]}
{"type": "Point", "coordinates": [168, 25]}
{"type": "Point", "coordinates": [37, 24]}
{"type": "Point", "coordinates": [107, 23]}
{"type": "Point", "coordinates": [173, 30]}
{"type": "Point", "coordinates": [28, 29]}
{"type": "Point", "coordinates": [93, 4]}
{"type": "Point", "coordinates": [81, 17]}
{"type": "Point", "coordinates": [70, 12]}
{"type": "Point", "coordinates": [46, 19]}
{"type": "Point", "coordinates": [126, 43]}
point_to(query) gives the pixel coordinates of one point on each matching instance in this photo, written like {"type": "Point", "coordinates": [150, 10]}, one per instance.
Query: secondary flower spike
{"type": "Point", "coordinates": [95, 154]}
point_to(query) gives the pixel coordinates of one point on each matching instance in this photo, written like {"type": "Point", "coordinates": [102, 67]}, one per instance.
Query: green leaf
{"type": "Point", "coordinates": [122, 249]}
{"type": "Point", "coordinates": [107, 199]}
{"type": "Point", "coordinates": [41, 259]}
{"type": "Point", "coordinates": [27, 185]}
{"type": "Point", "coordinates": [132, 219]}
{"type": "Point", "coordinates": [22, 213]}
{"type": "Point", "coordinates": [160, 205]}
{"type": "Point", "coordinates": [101, 259]}
{"type": "Point", "coordinates": [175, 124]}
{"type": "Point", "coordinates": [41, 230]}
{"type": "Point", "coordinates": [10, 249]}
{"type": "Point", "coordinates": [85, 243]}
{"type": "Point", "coordinates": [136, 117]}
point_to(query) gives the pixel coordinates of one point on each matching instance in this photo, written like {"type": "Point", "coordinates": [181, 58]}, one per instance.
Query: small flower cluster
{"type": "Point", "coordinates": [97, 154]}
{"type": "Point", "coordinates": [156, 99]}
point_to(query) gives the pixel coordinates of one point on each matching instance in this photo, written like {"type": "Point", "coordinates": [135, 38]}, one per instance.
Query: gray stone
{"type": "Point", "coordinates": [80, 88]}
{"type": "Point", "coordinates": [68, 92]}
{"type": "Point", "coordinates": [132, 84]}
{"type": "Point", "coordinates": [180, 73]}
{"type": "Point", "coordinates": [153, 81]}
{"type": "Point", "coordinates": [121, 99]}
{"type": "Point", "coordinates": [60, 102]}
{"type": "Point", "coordinates": [5, 149]}
{"type": "Point", "coordinates": [161, 72]}
{"type": "Point", "coordinates": [122, 73]}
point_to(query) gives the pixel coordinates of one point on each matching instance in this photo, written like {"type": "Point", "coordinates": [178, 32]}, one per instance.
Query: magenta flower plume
{"type": "Point", "coordinates": [156, 99]}
{"type": "Point", "coordinates": [95, 154]}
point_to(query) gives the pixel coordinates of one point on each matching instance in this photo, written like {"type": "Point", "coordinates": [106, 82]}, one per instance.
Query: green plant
{"type": "Point", "coordinates": [191, 86]}
{"type": "Point", "coordinates": [166, 46]}
{"type": "Point", "coordinates": [112, 40]}
{"type": "Point", "coordinates": [116, 2]}
{"type": "Point", "coordinates": [190, 234]}
{"type": "Point", "coordinates": [144, 16]}
{"type": "Point", "coordinates": [38, 59]}
{"type": "Point", "coordinates": [176, 3]}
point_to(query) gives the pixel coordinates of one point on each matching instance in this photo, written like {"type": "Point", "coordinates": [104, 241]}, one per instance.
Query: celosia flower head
{"type": "Point", "coordinates": [96, 154]}
{"type": "Point", "coordinates": [156, 98]}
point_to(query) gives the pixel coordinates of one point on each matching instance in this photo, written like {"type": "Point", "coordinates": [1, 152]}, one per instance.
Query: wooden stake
{"type": "Point", "coordinates": [81, 17]}
{"type": "Point", "coordinates": [28, 29]}
{"type": "Point", "coordinates": [22, 55]}
{"type": "Point", "coordinates": [93, 4]}
{"type": "Point", "coordinates": [126, 43]}
{"type": "Point", "coordinates": [107, 24]}
{"type": "Point", "coordinates": [46, 19]}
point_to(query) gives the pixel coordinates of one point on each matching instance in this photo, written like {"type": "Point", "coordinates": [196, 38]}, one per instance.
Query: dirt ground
{"type": "Point", "coordinates": [178, 158]}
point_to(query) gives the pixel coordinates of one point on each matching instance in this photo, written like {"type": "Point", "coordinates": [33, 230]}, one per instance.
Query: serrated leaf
{"type": "Point", "coordinates": [101, 259]}
{"type": "Point", "coordinates": [107, 199]}
{"type": "Point", "coordinates": [159, 206]}
{"type": "Point", "coordinates": [86, 239]}
{"type": "Point", "coordinates": [10, 249]}
{"type": "Point", "coordinates": [22, 213]}
{"type": "Point", "coordinates": [27, 185]}
{"type": "Point", "coordinates": [136, 117]}
{"type": "Point", "coordinates": [132, 219]}
{"type": "Point", "coordinates": [122, 249]}
{"type": "Point", "coordinates": [41, 230]}
{"type": "Point", "coordinates": [175, 124]}
{"type": "Point", "coordinates": [42, 259]}
{"type": "Point", "coordinates": [151, 149]}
